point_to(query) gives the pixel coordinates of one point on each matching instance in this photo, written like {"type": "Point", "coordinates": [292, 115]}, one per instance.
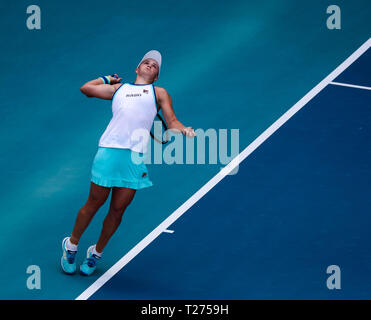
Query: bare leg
{"type": "Point", "coordinates": [97, 197]}
{"type": "Point", "coordinates": [121, 198]}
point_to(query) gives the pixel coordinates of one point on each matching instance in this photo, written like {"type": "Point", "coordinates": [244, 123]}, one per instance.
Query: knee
{"type": "Point", "coordinates": [92, 205]}
{"type": "Point", "coordinates": [89, 209]}
{"type": "Point", "coordinates": [118, 208]}
{"type": "Point", "coordinates": [116, 213]}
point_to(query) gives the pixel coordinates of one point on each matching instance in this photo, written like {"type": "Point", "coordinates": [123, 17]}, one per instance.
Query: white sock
{"type": "Point", "coordinates": [70, 246]}
{"type": "Point", "coordinates": [99, 254]}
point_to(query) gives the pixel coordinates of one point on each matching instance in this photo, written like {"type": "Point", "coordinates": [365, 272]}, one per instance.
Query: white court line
{"type": "Point", "coordinates": [349, 85]}
{"type": "Point", "coordinates": [221, 174]}
{"type": "Point", "coordinates": [169, 231]}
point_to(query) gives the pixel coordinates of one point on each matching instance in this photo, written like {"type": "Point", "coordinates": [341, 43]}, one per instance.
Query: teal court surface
{"type": "Point", "coordinates": [300, 95]}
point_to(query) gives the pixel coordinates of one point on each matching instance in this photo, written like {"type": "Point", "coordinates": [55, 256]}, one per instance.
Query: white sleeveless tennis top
{"type": "Point", "coordinates": [134, 109]}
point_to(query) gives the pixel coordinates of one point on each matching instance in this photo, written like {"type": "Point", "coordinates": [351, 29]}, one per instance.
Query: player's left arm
{"type": "Point", "coordinates": [164, 100]}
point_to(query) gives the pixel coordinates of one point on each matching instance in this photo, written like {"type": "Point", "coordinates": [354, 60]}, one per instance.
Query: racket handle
{"type": "Point", "coordinates": [114, 76]}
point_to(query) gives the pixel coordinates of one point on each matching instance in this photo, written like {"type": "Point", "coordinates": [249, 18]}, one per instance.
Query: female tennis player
{"type": "Point", "coordinates": [134, 106]}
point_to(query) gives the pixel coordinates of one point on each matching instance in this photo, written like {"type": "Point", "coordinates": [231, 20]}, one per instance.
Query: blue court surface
{"type": "Point", "coordinates": [297, 201]}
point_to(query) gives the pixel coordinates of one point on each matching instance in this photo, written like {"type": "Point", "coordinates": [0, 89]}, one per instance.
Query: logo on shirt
{"type": "Point", "coordinates": [145, 91]}
{"type": "Point", "coordinates": [133, 95]}
{"type": "Point", "coordinates": [144, 174]}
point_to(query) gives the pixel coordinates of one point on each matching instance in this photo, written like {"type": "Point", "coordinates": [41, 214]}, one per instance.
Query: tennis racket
{"type": "Point", "coordinates": [158, 138]}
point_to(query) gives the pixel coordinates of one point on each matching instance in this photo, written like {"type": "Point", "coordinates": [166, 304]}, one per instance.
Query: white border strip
{"type": "Point", "coordinates": [169, 231]}
{"type": "Point", "coordinates": [349, 85]}
{"type": "Point", "coordinates": [220, 175]}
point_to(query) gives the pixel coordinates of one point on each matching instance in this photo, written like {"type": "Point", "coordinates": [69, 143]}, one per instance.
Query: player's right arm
{"type": "Point", "coordinates": [96, 88]}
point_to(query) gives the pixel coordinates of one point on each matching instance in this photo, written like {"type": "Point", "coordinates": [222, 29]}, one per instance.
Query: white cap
{"type": "Point", "coordinates": [155, 55]}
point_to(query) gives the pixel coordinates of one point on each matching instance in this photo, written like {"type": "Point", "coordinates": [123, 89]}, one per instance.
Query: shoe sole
{"type": "Point", "coordinates": [84, 274]}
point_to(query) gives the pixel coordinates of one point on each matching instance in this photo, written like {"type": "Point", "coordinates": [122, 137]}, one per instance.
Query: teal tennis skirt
{"type": "Point", "coordinates": [114, 167]}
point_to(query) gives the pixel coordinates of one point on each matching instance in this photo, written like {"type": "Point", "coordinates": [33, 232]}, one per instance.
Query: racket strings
{"type": "Point", "coordinates": [166, 132]}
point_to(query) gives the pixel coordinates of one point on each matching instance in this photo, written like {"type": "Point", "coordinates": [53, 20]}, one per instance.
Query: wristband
{"type": "Point", "coordinates": [105, 80]}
